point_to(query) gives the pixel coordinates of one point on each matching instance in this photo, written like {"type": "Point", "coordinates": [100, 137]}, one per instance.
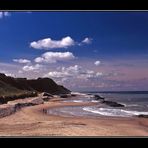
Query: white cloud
{"type": "Point", "coordinates": [66, 72]}
{"type": "Point", "coordinates": [48, 43]}
{"type": "Point", "coordinates": [53, 57]}
{"type": "Point", "coordinates": [97, 63]}
{"type": "Point", "coordinates": [22, 61]}
{"type": "Point", "coordinates": [57, 74]}
{"type": "Point", "coordinates": [74, 72]}
{"type": "Point", "coordinates": [10, 74]}
{"type": "Point", "coordinates": [32, 67]}
{"type": "Point", "coordinates": [87, 40]}
{"type": "Point", "coordinates": [20, 71]}
{"type": "Point", "coordinates": [99, 74]}
{"type": "Point", "coordinates": [7, 73]}
{"type": "Point", "coordinates": [4, 14]}
{"type": "Point", "coordinates": [65, 42]}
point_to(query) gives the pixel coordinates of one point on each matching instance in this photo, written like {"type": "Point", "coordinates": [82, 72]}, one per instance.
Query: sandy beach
{"type": "Point", "coordinates": [32, 121]}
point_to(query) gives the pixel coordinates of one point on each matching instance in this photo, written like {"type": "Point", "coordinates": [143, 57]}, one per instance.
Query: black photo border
{"type": "Point", "coordinates": [73, 5]}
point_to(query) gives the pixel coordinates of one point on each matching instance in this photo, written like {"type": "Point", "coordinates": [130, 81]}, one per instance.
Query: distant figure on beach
{"type": "Point", "coordinates": [44, 111]}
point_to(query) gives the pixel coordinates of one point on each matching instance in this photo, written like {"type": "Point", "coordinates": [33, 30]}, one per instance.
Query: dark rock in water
{"type": "Point", "coordinates": [73, 95]}
{"type": "Point", "coordinates": [64, 96]}
{"type": "Point", "coordinates": [47, 94]}
{"type": "Point", "coordinates": [113, 104]}
{"type": "Point", "coordinates": [89, 94]}
{"type": "Point", "coordinates": [143, 116]}
{"type": "Point", "coordinates": [97, 97]}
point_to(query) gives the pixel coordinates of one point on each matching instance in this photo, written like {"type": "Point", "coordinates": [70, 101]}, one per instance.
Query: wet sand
{"type": "Point", "coordinates": [32, 121]}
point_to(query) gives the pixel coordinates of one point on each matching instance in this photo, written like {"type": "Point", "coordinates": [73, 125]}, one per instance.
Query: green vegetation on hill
{"type": "Point", "coordinates": [13, 88]}
{"type": "Point", "coordinates": [8, 90]}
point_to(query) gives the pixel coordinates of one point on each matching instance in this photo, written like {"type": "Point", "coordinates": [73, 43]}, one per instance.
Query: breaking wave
{"type": "Point", "coordinates": [114, 112]}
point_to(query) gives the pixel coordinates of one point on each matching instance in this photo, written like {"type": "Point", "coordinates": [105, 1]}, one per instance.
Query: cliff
{"type": "Point", "coordinates": [13, 86]}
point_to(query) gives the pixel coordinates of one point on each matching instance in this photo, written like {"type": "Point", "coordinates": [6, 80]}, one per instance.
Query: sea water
{"type": "Point", "coordinates": [136, 103]}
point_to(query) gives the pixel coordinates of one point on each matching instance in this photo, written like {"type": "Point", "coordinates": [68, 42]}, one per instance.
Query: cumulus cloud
{"type": "Point", "coordinates": [4, 14]}
{"type": "Point", "coordinates": [65, 42]}
{"type": "Point", "coordinates": [22, 61]}
{"type": "Point", "coordinates": [97, 63]}
{"type": "Point", "coordinates": [87, 40]}
{"type": "Point", "coordinates": [48, 43]}
{"type": "Point", "coordinates": [66, 72]}
{"type": "Point", "coordinates": [57, 74]}
{"type": "Point", "coordinates": [7, 73]}
{"type": "Point", "coordinates": [53, 57]}
{"type": "Point", "coordinates": [10, 74]}
{"type": "Point", "coordinates": [75, 72]}
{"type": "Point", "coordinates": [99, 74]}
{"type": "Point", "coordinates": [32, 67]}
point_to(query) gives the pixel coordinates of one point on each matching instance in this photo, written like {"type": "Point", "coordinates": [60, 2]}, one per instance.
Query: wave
{"type": "Point", "coordinates": [78, 101]}
{"type": "Point", "coordinates": [132, 105]}
{"type": "Point", "coordinates": [78, 93]}
{"type": "Point", "coordinates": [95, 101]}
{"type": "Point", "coordinates": [114, 112]}
{"type": "Point", "coordinates": [82, 94]}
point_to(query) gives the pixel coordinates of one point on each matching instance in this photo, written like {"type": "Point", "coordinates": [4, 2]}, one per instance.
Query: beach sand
{"type": "Point", "coordinates": [31, 121]}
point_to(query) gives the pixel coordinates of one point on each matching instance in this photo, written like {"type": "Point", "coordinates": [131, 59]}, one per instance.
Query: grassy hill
{"type": "Point", "coordinates": [6, 89]}
{"type": "Point", "coordinates": [12, 88]}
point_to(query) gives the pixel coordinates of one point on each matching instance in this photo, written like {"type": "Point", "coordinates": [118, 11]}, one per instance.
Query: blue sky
{"type": "Point", "coordinates": [81, 50]}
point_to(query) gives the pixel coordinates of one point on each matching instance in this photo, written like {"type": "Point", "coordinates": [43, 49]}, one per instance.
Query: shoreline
{"type": "Point", "coordinates": [31, 121]}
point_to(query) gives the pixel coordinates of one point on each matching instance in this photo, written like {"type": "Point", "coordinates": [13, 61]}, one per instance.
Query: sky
{"type": "Point", "coordinates": [84, 51]}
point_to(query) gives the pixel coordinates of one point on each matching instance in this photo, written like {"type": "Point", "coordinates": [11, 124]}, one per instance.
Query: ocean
{"type": "Point", "coordinates": [136, 103]}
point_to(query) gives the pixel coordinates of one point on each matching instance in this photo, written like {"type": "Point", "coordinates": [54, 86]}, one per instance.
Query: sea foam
{"type": "Point", "coordinates": [114, 112]}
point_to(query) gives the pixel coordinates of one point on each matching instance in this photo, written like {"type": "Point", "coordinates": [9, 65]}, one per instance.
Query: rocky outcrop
{"type": "Point", "coordinates": [109, 103]}
{"type": "Point", "coordinates": [46, 99]}
{"type": "Point", "coordinates": [112, 103]}
{"type": "Point", "coordinates": [67, 95]}
{"type": "Point", "coordinates": [47, 94]}
{"type": "Point", "coordinates": [33, 101]}
{"type": "Point", "coordinates": [97, 97]}
{"type": "Point", "coordinates": [73, 95]}
{"type": "Point", "coordinates": [63, 96]}
{"type": "Point", "coordinates": [13, 106]}
{"type": "Point", "coordinates": [143, 116]}
{"type": "Point", "coordinates": [5, 99]}
{"type": "Point", "coordinates": [6, 110]}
